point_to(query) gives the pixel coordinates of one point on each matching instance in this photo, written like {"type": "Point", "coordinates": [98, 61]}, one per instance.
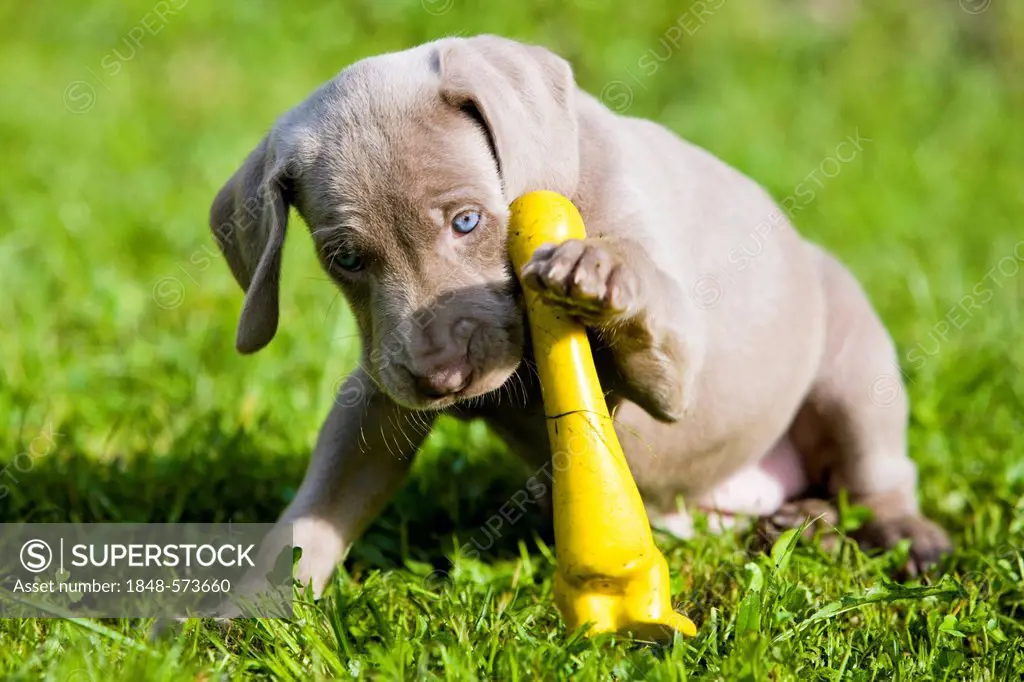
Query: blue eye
{"type": "Point", "coordinates": [466, 222]}
{"type": "Point", "coordinates": [348, 260]}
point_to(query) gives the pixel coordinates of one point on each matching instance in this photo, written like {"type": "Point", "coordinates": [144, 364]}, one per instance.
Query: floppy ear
{"type": "Point", "coordinates": [248, 218]}
{"type": "Point", "coordinates": [525, 96]}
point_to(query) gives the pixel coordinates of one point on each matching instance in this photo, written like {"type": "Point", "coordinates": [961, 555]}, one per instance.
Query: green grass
{"type": "Point", "coordinates": [157, 419]}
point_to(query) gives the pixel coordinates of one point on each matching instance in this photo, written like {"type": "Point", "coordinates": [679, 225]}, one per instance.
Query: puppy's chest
{"type": "Point", "coordinates": [516, 411]}
{"type": "Point", "coordinates": [522, 391]}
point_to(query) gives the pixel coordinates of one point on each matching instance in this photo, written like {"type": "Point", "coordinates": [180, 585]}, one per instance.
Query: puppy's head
{"type": "Point", "coordinates": [403, 168]}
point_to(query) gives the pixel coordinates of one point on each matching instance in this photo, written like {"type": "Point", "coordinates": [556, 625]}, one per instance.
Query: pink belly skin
{"type": "Point", "coordinates": [756, 490]}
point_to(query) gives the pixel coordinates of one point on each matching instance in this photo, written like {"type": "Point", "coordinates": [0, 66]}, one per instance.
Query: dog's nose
{"type": "Point", "coordinates": [443, 380]}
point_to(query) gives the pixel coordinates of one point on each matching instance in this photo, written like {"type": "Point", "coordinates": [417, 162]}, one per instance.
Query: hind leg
{"type": "Point", "coordinates": [852, 430]}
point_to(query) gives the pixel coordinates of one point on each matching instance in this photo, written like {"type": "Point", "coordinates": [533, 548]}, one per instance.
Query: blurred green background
{"type": "Point", "coordinates": [120, 120]}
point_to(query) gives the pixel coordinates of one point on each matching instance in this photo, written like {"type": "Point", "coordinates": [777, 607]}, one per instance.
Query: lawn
{"type": "Point", "coordinates": [120, 120]}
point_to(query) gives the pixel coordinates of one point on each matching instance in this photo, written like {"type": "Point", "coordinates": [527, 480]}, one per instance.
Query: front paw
{"type": "Point", "coordinates": [584, 277]}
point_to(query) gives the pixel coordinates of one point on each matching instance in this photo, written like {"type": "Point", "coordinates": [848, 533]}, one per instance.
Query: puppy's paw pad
{"type": "Point", "coordinates": [585, 278]}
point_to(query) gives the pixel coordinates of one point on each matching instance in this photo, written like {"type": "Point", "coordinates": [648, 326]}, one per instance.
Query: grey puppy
{"type": "Point", "coordinates": [738, 391]}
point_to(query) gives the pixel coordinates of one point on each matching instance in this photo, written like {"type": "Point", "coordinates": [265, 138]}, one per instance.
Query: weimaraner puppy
{"type": "Point", "coordinates": [738, 390]}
